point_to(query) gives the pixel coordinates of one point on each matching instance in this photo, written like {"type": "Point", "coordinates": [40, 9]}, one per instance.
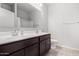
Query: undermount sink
{"type": "Point", "coordinates": [4, 35]}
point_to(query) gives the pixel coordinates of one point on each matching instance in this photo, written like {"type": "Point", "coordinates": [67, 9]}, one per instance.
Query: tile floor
{"type": "Point", "coordinates": [62, 51]}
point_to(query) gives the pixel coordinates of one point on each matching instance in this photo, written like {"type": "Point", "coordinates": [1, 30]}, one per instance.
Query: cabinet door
{"type": "Point", "coordinates": [45, 44]}
{"type": "Point", "coordinates": [18, 53]}
{"type": "Point", "coordinates": [32, 50]}
{"type": "Point", "coordinates": [48, 44]}
{"type": "Point", "coordinates": [42, 47]}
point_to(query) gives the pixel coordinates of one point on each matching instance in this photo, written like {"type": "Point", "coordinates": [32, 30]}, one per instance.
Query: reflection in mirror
{"type": "Point", "coordinates": [24, 13]}
{"type": "Point", "coordinates": [28, 14]}
{"type": "Point", "coordinates": [7, 16]}
{"type": "Point", "coordinates": [8, 6]}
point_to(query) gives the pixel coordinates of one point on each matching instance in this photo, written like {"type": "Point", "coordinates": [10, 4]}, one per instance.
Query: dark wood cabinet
{"type": "Point", "coordinates": [34, 46]}
{"type": "Point", "coordinates": [45, 44]}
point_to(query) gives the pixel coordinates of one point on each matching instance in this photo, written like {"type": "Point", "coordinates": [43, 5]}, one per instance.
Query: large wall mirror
{"type": "Point", "coordinates": [19, 16]}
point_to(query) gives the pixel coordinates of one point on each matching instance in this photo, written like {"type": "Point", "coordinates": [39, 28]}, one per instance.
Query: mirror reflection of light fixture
{"type": "Point", "coordinates": [37, 5]}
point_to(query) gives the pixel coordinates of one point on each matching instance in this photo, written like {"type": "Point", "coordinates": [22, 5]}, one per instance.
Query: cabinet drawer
{"type": "Point", "coordinates": [44, 37]}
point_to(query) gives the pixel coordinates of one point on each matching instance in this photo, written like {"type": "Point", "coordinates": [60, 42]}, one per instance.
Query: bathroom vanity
{"type": "Point", "coordinates": [28, 45]}
{"type": "Point", "coordinates": [24, 17]}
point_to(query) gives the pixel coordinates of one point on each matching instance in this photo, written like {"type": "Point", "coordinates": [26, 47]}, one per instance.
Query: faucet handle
{"type": "Point", "coordinates": [14, 33]}
{"type": "Point", "coordinates": [21, 32]}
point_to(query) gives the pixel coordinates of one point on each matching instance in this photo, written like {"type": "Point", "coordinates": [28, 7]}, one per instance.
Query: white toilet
{"type": "Point", "coordinates": [54, 43]}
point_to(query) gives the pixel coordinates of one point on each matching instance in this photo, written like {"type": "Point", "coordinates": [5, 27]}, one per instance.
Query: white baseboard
{"type": "Point", "coordinates": [70, 47]}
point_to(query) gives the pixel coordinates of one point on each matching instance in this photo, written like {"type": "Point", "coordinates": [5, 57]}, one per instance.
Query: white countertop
{"type": "Point", "coordinates": [10, 38]}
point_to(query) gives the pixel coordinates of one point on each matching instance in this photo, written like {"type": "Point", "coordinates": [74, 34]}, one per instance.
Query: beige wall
{"type": "Point", "coordinates": [62, 22]}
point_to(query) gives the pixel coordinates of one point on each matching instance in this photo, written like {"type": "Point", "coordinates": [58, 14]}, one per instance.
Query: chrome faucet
{"type": "Point", "coordinates": [21, 32]}
{"type": "Point", "coordinates": [15, 33]}
{"type": "Point", "coordinates": [37, 28]}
